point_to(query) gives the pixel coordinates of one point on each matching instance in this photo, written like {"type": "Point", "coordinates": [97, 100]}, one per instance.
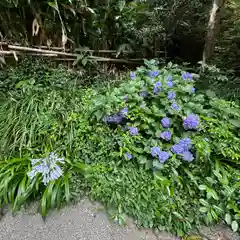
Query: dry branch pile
{"type": "Point", "coordinates": [60, 54]}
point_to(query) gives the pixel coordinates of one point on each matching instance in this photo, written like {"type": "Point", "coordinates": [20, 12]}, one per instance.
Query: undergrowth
{"type": "Point", "coordinates": [151, 147]}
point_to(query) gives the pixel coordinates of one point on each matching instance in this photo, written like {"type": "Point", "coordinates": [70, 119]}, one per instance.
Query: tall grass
{"type": "Point", "coordinates": [34, 108]}
{"type": "Point", "coordinates": [39, 113]}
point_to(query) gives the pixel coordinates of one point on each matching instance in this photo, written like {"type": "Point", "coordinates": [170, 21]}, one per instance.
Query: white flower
{"type": "Point", "coordinates": [47, 167]}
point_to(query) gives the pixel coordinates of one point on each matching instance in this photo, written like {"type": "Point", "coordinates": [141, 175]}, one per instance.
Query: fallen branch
{"type": "Point", "coordinates": [62, 55]}
{"type": "Point", "coordinates": [28, 49]}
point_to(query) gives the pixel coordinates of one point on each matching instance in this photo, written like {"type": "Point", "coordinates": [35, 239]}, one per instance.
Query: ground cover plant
{"type": "Point", "coordinates": [152, 147]}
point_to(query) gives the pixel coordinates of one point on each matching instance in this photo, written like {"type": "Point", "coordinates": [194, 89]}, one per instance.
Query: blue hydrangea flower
{"type": "Point", "coordinates": [124, 112]}
{"type": "Point", "coordinates": [177, 148]}
{"type": "Point", "coordinates": [175, 107]}
{"type": "Point", "coordinates": [114, 119]}
{"type": "Point", "coordinates": [171, 95]}
{"type": "Point", "coordinates": [157, 87]}
{"type": "Point", "coordinates": [128, 156]}
{"type": "Point", "coordinates": [186, 143]}
{"type": "Point", "coordinates": [155, 151]}
{"type": "Point", "coordinates": [47, 167]}
{"type": "Point", "coordinates": [166, 123]}
{"type": "Point", "coordinates": [193, 90]}
{"type": "Point", "coordinates": [132, 75]}
{"type": "Point", "coordinates": [163, 156]}
{"type": "Point", "coordinates": [133, 131]}
{"type": "Point", "coordinates": [143, 94]}
{"type": "Point", "coordinates": [186, 76]}
{"type": "Point", "coordinates": [153, 74]}
{"type": "Point", "coordinates": [126, 98]}
{"type": "Point", "coordinates": [166, 135]}
{"type": "Point", "coordinates": [169, 84]}
{"type": "Point", "coordinates": [169, 78]}
{"type": "Point", "coordinates": [191, 122]}
{"type": "Point", "coordinates": [188, 156]}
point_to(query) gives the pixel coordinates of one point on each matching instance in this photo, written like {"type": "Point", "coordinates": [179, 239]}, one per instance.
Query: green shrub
{"type": "Point", "coordinates": [189, 140]}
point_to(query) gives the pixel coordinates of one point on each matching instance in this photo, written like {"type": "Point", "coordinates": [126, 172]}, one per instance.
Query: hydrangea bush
{"type": "Point", "coordinates": [164, 124]}
{"type": "Point", "coordinates": [162, 108]}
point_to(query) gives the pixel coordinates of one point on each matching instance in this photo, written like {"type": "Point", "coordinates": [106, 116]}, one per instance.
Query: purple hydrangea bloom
{"type": "Point", "coordinates": [128, 155]}
{"type": "Point", "coordinates": [153, 74]}
{"type": "Point", "coordinates": [155, 151]}
{"type": "Point", "coordinates": [186, 76]}
{"type": "Point", "coordinates": [166, 122]}
{"type": "Point", "coordinates": [169, 78]}
{"type": "Point", "coordinates": [124, 112]}
{"type": "Point", "coordinates": [186, 143]}
{"type": "Point", "coordinates": [157, 87]}
{"type": "Point", "coordinates": [143, 94]}
{"type": "Point", "coordinates": [114, 119]}
{"type": "Point", "coordinates": [188, 156]}
{"type": "Point", "coordinates": [163, 156]}
{"type": "Point", "coordinates": [126, 98]}
{"type": "Point", "coordinates": [175, 107]}
{"type": "Point", "coordinates": [133, 131]}
{"type": "Point", "coordinates": [169, 84]}
{"type": "Point", "coordinates": [171, 95]}
{"type": "Point", "coordinates": [166, 135]}
{"type": "Point", "coordinates": [132, 75]}
{"type": "Point", "coordinates": [191, 122]}
{"type": "Point", "coordinates": [177, 148]}
{"type": "Point", "coordinates": [193, 90]}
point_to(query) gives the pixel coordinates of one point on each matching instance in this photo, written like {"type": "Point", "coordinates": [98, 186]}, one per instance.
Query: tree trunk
{"type": "Point", "coordinates": [212, 31]}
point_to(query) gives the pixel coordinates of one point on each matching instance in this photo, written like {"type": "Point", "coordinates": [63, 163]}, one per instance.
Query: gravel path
{"type": "Point", "coordinates": [82, 221]}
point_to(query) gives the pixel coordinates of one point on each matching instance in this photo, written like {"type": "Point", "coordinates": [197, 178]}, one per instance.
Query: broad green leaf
{"type": "Point", "coordinates": [203, 202]}
{"type": "Point", "coordinates": [202, 187]}
{"type": "Point", "coordinates": [121, 5]}
{"type": "Point", "coordinates": [203, 209]}
{"type": "Point", "coordinates": [67, 190]}
{"type": "Point", "coordinates": [210, 94]}
{"type": "Point", "coordinates": [43, 203]}
{"type": "Point", "coordinates": [54, 192]}
{"type": "Point", "coordinates": [234, 226]}
{"type": "Point", "coordinates": [235, 122]}
{"type": "Point", "coordinates": [228, 218]}
{"type": "Point", "coordinates": [214, 215]}
{"type": "Point", "coordinates": [142, 159]}
{"type": "Point", "coordinates": [53, 5]}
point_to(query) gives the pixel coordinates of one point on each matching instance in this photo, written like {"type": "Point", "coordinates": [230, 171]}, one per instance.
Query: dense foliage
{"type": "Point", "coordinates": [164, 29]}
{"type": "Point", "coordinates": [152, 147]}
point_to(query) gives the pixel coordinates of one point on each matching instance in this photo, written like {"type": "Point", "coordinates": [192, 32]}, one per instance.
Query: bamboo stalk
{"type": "Point", "coordinates": [3, 52]}
{"type": "Point", "coordinates": [75, 50]}
{"type": "Point", "coordinates": [28, 49]}
{"type": "Point", "coordinates": [100, 60]}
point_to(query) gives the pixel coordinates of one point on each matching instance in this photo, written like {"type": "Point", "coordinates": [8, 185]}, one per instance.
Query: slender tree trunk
{"type": "Point", "coordinates": [212, 31]}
